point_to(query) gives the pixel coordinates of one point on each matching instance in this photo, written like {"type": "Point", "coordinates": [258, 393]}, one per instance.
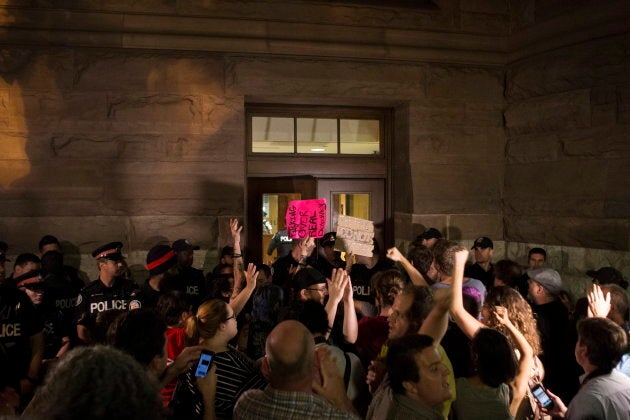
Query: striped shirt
{"type": "Point", "coordinates": [236, 373]}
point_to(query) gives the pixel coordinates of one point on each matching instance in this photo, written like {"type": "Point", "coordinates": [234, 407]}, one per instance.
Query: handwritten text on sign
{"type": "Point", "coordinates": [355, 235]}
{"type": "Point", "coordinates": [306, 218]}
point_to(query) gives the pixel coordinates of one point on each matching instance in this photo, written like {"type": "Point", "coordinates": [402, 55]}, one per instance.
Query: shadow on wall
{"type": "Point", "coordinates": [101, 146]}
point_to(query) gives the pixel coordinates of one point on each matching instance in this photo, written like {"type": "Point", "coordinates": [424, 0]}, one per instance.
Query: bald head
{"type": "Point", "coordinates": [290, 352]}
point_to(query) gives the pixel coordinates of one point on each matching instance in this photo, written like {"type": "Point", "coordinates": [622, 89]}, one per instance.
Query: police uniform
{"type": "Point", "coordinates": [145, 297]}
{"type": "Point", "coordinates": [160, 259]}
{"type": "Point", "coordinates": [61, 295]}
{"type": "Point", "coordinates": [188, 279]}
{"type": "Point", "coordinates": [96, 297]}
{"type": "Point", "coordinates": [18, 323]}
{"type": "Point", "coordinates": [56, 327]}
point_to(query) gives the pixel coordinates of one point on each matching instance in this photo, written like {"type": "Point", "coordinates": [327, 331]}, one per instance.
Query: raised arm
{"type": "Point", "coordinates": [336, 289]}
{"type": "Point", "coordinates": [240, 298]}
{"type": "Point", "coordinates": [520, 383]}
{"type": "Point", "coordinates": [416, 278]}
{"type": "Point", "coordinates": [350, 322]}
{"type": "Point", "coordinates": [465, 321]}
{"type": "Point", "coordinates": [332, 387]}
{"type": "Point", "coordinates": [237, 258]}
{"type": "Point", "coordinates": [436, 323]}
{"type": "Point", "coordinates": [306, 249]}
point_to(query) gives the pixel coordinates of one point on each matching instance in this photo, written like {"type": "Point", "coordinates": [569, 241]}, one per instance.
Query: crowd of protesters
{"type": "Point", "coordinates": [319, 334]}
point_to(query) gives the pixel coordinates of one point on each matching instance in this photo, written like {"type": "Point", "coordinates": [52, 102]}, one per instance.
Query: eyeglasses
{"type": "Point", "coordinates": [318, 289]}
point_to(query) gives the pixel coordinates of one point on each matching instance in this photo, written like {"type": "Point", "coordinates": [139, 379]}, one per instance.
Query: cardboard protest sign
{"type": "Point", "coordinates": [355, 235]}
{"type": "Point", "coordinates": [306, 218]}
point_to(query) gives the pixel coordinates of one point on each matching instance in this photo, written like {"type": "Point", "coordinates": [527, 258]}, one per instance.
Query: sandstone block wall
{"type": "Point", "coordinates": [568, 147]}
{"type": "Point", "coordinates": [150, 147]}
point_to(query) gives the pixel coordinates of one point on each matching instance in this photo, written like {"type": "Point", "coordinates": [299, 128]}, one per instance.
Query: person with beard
{"type": "Point", "coordinates": [108, 292]}
{"type": "Point", "coordinates": [187, 278]}
{"type": "Point", "coordinates": [161, 261]}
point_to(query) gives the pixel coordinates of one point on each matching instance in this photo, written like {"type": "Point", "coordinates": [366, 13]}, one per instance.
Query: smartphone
{"type": "Point", "coordinates": [204, 364]}
{"type": "Point", "coordinates": [541, 395]}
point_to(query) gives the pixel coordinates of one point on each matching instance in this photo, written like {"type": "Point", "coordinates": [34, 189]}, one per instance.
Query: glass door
{"type": "Point", "coordinates": [267, 202]}
{"type": "Point", "coordinates": [357, 198]}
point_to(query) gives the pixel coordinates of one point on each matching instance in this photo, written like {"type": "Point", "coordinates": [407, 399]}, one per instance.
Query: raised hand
{"type": "Point", "coordinates": [598, 302]}
{"type": "Point", "coordinates": [376, 373]}
{"type": "Point", "coordinates": [251, 275]}
{"type": "Point", "coordinates": [332, 386]}
{"type": "Point", "coordinates": [501, 313]}
{"type": "Point", "coordinates": [308, 244]}
{"type": "Point", "coordinates": [461, 256]}
{"type": "Point", "coordinates": [337, 285]}
{"type": "Point", "coordinates": [235, 230]}
{"type": "Point", "coordinates": [394, 254]}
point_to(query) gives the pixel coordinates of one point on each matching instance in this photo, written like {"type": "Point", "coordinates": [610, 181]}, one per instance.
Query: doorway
{"type": "Point", "coordinates": [268, 199]}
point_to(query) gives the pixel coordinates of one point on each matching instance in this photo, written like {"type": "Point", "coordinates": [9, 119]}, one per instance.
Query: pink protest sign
{"type": "Point", "coordinates": [306, 218]}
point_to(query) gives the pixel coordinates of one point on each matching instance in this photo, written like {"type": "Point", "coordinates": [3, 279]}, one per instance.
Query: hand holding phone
{"type": "Point", "coordinates": [204, 364]}
{"type": "Point", "coordinates": [540, 393]}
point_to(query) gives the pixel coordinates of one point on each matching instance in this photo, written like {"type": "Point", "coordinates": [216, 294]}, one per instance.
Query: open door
{"type": "Point", "coordinates": [268, 198]}
{"type": "Point", "coordinates": [267, 202]}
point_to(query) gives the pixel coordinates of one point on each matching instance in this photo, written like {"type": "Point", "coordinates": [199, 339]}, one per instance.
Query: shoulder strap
{"type": "Point", "coordinates": [346, 372]}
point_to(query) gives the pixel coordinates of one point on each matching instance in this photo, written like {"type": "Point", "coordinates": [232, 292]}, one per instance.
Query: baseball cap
{"type": "Point", "coordinates": [183, 245]}
{"type": "Point", "coordinates": [110, 251]}
{"type": "Point", "coordinates": [431, 233]}
{"type": "Point", "coordinates": [307, 277]}
{"type": "Point", "coordinates": [227, 250]}
{"type": "Point", "coordinates": [547, 278]}
{"type": "Point", "coordinates": [607, 275]}
{"type": "Point", "coordinates": [159, 259]}
{"type": "Point", "coordinates": [483, 242]}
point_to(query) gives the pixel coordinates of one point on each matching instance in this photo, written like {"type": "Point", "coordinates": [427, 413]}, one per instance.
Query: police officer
{"type": "Point", "coordinates": [161, 262]}
{"type": "Point", "coordinates": [21, 341]}
{"type": "Point", "coordinates": [188, 279]}
{"type": "Point", "coordinates": [56, 326]}
{"type": "Point", "coordinates": [109, 292]}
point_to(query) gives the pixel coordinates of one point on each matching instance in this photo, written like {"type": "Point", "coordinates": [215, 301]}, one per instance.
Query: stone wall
{"type": "Point", "coordinates": [150, 147]}
{"type": "Point", "coordinates": [568, 147]}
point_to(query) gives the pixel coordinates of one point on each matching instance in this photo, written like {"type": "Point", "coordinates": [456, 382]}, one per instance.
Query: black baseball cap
{"type": "Point", "coordinates": [184, 245]}
{"type": "Point", "coordinates": [483, 242]}
{"type": "Point", "coordinates": [307, 277]}
{"type": "Point", "coordinates": [431, 233]}
{"type": "Point", "coordinates": [608, 275]}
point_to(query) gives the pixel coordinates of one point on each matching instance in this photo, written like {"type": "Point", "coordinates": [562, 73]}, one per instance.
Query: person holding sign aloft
{"type": "Point", "coordinates": [299, 257]}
